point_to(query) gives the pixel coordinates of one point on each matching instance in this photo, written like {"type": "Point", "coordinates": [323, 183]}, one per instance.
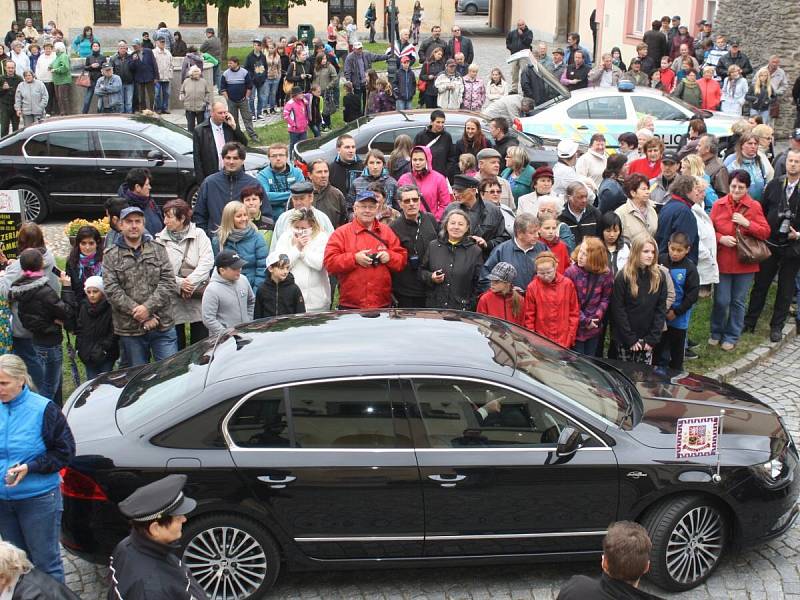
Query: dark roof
{"type": "Point", "coordinates": [127, 122]}
{"type": "Point", "coordinates": [398, 338]}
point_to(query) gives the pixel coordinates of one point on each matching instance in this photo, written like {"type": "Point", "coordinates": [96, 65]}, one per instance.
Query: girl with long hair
{"type": "Point", "coordinates": [497, 87]}
{"type": "Point", "coordinates": [85, 259]}
{"type": "Point", "coordinates": [594, 282]}
{"type": "Point", "coordinates": [638, 303]}
{"type": "Point", "coordinates": [238, 233]}
{"type": "Point", "coordinates": [502, 300]}
{"type": "Point", "coordinates": [399, 161]}
{"type": "Point", "coordinates": [472, 141]}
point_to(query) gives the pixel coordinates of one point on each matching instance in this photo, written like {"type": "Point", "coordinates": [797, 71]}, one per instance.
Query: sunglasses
{"type": "Point", "coordinates": [409, 201]}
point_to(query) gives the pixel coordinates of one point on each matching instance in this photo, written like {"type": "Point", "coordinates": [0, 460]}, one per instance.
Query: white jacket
{"type": "Point", "coordinates": [707, 267]}
{"type": "Point", "coordinates": [199, 255]}
{"type": "Point", "coordinates": [42, 73]}
{"type": "Point", "coordinates": [164, 64]}
{"type": "Point", "coordinates": [451, 91]}
{"type": "Point", "coordinates": [307, 268]}
{"type": "Point", "coordinates": [591, 165]}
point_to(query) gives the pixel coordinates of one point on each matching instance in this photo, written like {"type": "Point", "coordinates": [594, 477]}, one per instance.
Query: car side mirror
{"type": "Point", "coordinates": [569, 440]}
{"type": "Point", "coordinates": [156, 156]}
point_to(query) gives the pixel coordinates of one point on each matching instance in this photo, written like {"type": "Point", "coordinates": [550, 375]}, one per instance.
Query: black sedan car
{"type": "Point", "coordinates": [379, 131]}
{"type": "Point", "coordinates": [311, 442]}
{"type": "Point", "coordinates": [75, 163]}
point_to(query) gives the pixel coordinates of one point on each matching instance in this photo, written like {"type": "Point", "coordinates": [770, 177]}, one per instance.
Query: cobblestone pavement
{"type": "Point", "coordinates": [767, 572]}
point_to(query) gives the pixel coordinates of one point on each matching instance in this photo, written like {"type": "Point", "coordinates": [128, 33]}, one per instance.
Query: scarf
{"type": "Point", "coordinates": [237, 235]}
{"type": "Point", "coordinates": [88, 265]}
{"type": "Point", "coordinates": [178, 236]}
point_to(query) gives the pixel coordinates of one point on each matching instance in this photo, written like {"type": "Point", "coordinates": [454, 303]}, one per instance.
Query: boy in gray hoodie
{"type": "Point", "coordinates": [228, 299]}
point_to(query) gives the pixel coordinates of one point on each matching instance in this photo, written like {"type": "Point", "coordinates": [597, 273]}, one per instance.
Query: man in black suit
{"type": "Point", "coordinates": [459, 43]}
{"type": "Point", "coordinates": [210, 136]}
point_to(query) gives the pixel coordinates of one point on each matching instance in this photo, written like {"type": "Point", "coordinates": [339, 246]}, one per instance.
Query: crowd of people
{"type": "Point", "coordinates": [604, 253]}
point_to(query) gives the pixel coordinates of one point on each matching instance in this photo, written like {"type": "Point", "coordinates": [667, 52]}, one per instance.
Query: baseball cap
{"type": "Point", "coordinates": [735, 43]}
{"type": "Point", "coordinates": [676, 18]}
{"type": "Point", "coordinates": [405, 58]}
{"type": "Point", "coordinates": [230, 259]}
{"type": "Point", "coordinates": [107, 65]}
{"type": "Point", "coordinates": [488, 153]}
{"type": "Point", "coordinates": [137, 42]}
{"type": "Point", "coordinates": [558, 51]}
{"type": "Point", "coordinates": [703, 22]}
{"type": "Point", "coordinates": [277, 257]}
{"type": "Point", "coordinates": [296, 90]}
{"type": "Point", "coordinates": [503, 271]}
{"type": "Point", "coordinates": [366, 196]}
{"type": "Point", "coordinates": [257, 40]}
{"type": "Point", "coordinates": [796, 135]}
{"type": "Point", "coordinates": [567, 148]}
{"type": "Point", "coordinates": [671, 157]}
{"type": "Point", "coordinates": [126, 212]}
{"type": "Point", "coordinates": [357, 45]}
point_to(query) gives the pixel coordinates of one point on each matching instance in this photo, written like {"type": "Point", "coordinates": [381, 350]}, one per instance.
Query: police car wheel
{"type": "Point", "coordinates": [689, 536]}
{"type": "Point", "coordinates": [230, 556]}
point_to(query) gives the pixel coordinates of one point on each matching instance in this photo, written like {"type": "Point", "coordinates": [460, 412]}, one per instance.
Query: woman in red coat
{"type": "Point", "coordinates": [650, 165]}
{"type": "Point", "coordinates": [502, 300]}
{"type": "Point", "coordinates": [551, 304]}
{"type": "Point", "coordinates": [709, 89]}
{"type": "Point", "coordinates": [736, 210]}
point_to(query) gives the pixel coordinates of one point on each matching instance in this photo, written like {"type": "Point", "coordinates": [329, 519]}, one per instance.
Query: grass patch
{"type": "Point", "coordinates": [241, 52]}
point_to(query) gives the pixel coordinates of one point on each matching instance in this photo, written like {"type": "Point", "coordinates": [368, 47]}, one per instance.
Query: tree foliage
{"type": "Point", "coordinates": [223, 9]}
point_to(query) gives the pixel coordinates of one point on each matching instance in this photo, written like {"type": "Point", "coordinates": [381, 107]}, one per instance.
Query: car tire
{"type": "Point", "coordinates": [471, 10]}
{"type": "Point", "coordinates": [34, 201]}
{"type": "Point", "coordinates": [689, 535]}
{"type": "Point", "coordinates": [191, 195]}
{"type": "Point", "coordinates": [206, 540]}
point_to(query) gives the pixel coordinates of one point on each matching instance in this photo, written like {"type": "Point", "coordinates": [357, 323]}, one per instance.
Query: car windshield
{"type": "Point", "coordinates": [174, 138]}
{"type": "Point", "coordinates": [161, 386]}
{"type": "Point", "coordinates": [573, 377]}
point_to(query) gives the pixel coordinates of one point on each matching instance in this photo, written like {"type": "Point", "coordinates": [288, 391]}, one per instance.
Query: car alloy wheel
{"type": "Point", "coordinates": [689, 536]}
{"type": "Point", "coordinates": [695, 545]}
{"type": "Point", "coordinates": [34, 203]}
{"type": "Point", "coordinates": [232, 558]}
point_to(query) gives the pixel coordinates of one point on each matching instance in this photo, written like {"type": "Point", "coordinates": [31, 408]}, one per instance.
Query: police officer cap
{"type": "Point", "coordinates": [158, 499]}
{"type": "Point", "coordinates": [301, 188]}
{"type": "Point", "coordinates": [465, 182]}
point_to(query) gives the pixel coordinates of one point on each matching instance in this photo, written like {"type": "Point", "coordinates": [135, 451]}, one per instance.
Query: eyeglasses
{"type": "Point", "coordinates": [409, 201]}
{"type": "Point", "coordinates": [493, 191]}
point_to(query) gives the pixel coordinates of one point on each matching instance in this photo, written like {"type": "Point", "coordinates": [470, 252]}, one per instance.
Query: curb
{"type": "Point", "coordinates": [756, 356]}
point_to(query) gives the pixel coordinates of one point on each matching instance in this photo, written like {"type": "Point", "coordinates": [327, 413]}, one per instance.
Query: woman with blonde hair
{"type": "Point", "coordinates": [518, 172]}
{"type": "Point", "coordinates": [760, 95]}
{"type": "Point", "coordinates": [693, 165]}
{"type": "Point", "coordinates": [19, 580]}
{"type": "Point", "coordinates": [238, 233]}
{"type": "Point", "coordinates": [304, 243]}
{"type": "Point", "coordinates": [639, 303]}
{"type": "Point", "coordinates": [734, 91]}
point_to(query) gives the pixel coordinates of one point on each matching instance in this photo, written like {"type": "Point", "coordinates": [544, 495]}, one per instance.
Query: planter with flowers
{"type": "Point", "coordinates": [71, 228]}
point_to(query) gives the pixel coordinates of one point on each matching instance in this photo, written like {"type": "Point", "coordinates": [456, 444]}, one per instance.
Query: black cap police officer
{"type": "Point", "coordinates": [145, 565]}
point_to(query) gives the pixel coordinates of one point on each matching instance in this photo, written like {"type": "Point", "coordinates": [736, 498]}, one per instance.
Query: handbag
{"type": "Point", "coordinates": [422, 85]}
{"type": "Point", "coordinates": [186, 270]}
{"type": "Point", "coordinates": [84, 80]}
{"type": "Point", "coordinates": [751, 250]}
{"type": "Point", "coordinates": [287, 86]}
{"type": "Point", "coordinates": [774, 110]}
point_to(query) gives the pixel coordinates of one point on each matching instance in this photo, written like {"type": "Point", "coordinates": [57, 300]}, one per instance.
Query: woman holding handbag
{"type": "Point", "coordinates": [738, 222]}
{"type": "Point", "coordinates": [428, 94]}
{"type": "Point", "coordinates": [192, 259]}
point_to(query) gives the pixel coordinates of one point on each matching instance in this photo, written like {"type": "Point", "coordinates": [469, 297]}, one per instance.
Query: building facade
{"type": "Point", "coordinates": [115, 19]}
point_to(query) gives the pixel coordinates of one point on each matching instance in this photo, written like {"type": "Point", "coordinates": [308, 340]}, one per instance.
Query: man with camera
{"type": "Point", "coordinates": [415, 229]}
{"type": "Point", "coordinates": [362, 255]}
{"type": "Point", "coordinates": [780, 204]}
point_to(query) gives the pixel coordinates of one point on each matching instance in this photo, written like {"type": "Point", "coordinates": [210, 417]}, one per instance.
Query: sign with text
{"type": "Point", "coordinates": [697, 436]}
{"type": "Point", "coordinates": [10, 221]}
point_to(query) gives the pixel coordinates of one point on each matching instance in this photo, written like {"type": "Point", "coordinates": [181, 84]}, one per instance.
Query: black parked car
{"type": "Point", "coordinates": [379, 131]}
{"type": "Point", "coordinates": [75, 163]}
{"type": "Point", "coordinates": [310, 441]}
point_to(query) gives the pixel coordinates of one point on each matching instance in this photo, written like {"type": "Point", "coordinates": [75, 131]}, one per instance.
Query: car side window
{"type": "Point", "coordinates": [116, 144]}
{"type": "Point", "coordinates": [69, 144]}
{"type": "Point", "coordinates": [337, 414]}
{"type": "Point", "coordinates": [607, 107]}
{"type": "Point", "coordinates": [384, 141]}
{"type": "Point", "coordinates": [579, 110]}
{"type": "Point", "coordinates": [660, 109]}
{"type": "Point", "coordinates": [37, 145]}
{"type": "Point", "coordinates": [459, 414]}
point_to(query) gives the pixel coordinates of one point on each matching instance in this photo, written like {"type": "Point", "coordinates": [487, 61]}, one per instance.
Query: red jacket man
{"type": "Point", "coordinates": [551, 304]}
{"type": "Point", "coordinates": [363, 254]}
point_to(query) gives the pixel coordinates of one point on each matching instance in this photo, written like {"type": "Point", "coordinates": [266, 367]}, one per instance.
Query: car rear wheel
{"type": "Point", "coordinates": [191, 195]}
{"type": "Point", "coordinates": [232, 557]}
{"type": "Point", "coordinates": [471, 10]}
{"type": "Point", "coordinates": [33, 200]}
{"type": "Point", "coordinates": [689, 536]}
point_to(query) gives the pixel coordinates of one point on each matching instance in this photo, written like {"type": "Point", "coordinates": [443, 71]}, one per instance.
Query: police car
{"type": "Point", "coordinates": [579, 114]}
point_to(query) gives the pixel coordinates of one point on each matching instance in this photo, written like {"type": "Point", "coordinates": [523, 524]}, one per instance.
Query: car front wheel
{"type": "Point", "coordinates": [689, 536]}
{"type": "Point", "coordinates": [33, 202]}
{"type": "Point", "coordinates": [232, 557]}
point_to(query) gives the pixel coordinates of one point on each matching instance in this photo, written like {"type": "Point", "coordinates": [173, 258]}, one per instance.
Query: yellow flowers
{"type": "Point", "coordinates": [101, 225]}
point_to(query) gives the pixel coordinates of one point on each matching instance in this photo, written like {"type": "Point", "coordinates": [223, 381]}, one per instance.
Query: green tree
{"type": "Point", "coordinates": [223, 9]}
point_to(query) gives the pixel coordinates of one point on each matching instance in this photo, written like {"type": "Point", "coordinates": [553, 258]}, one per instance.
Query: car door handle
{"type": "Point", "coordinates": [447, 481]}
{"type": "Point", "coordinates": [108, 171]}
{"type": "Point", "coordinates": [276, 483]}
{"type": "Point", "coordinates": [42, 169]}
{"type": "Point", "coordinates": [582, 127]}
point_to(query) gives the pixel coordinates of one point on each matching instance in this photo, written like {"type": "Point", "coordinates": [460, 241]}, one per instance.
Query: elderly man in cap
{"type": "Point", "coordinates": [302, 196]}
{"type": "Point", "coordinates": [363, 255]}
{"type": "Point", "coordinates": [489, 166]}
{"type": "Point", "coordinates": [659, 186]}
{"type": "Point", "coordinates": [123, 67]}
{"type": "Point", "coordinates": [564, 172]}
{"type": "Point", "coordinates": [486, 223]}
{"type": "Point", "coordinates": [223, 187]}
{"type": "Point", "coordinates": [141, 303]}
{"type": "Point", "coordinates": [145, 564]}
{"type": "Point", "coordinates": [734, 57]}
{"type": "Point", "coordinates": [145, 73]}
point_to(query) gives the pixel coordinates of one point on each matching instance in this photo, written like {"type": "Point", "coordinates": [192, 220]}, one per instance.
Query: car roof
{"type": "Point", "coordinates": [422, 116]}
{"type": "Point", "coordinates": [126, 122]}
{"type": "Point", "coordinates": [358, 339]}
{"type": "Point", "coordinates": [598, 91]}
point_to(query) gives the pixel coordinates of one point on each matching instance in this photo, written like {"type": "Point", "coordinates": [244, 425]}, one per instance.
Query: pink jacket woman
{"type": "Point", "coordinates": [432, 185]}
{"type": "Point", "coordinates": [295, 113]}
